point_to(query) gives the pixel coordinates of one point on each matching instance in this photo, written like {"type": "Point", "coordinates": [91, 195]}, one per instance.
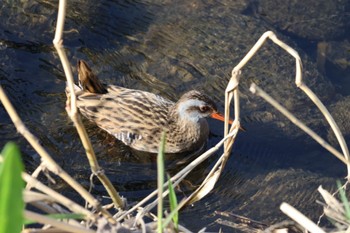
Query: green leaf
{"type": "Point", "coordinates": [344, 200]}
{"type": "Point", "coordinates": [173, 204]}
{"type": "Point", "coordinates": [11, 189]}
{"type": "Point", "coordinates": [160, 182]}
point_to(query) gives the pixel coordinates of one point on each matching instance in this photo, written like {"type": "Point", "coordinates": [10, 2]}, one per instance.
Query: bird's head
{"type": "Point", "coordinates": [194, 105]}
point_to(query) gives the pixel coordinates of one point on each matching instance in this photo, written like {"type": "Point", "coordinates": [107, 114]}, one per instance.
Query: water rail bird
{"type": "Point", "coordinates": [138, 118]}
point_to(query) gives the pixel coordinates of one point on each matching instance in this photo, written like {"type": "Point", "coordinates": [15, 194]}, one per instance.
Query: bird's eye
{"type": "Point", "coordinates": [204, 108]}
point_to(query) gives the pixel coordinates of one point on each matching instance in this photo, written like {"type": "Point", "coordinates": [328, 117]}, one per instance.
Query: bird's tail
{"type": "Point", "coordinates": [88, 83]}
{"type": "Point", "coordinates": [88, 80]}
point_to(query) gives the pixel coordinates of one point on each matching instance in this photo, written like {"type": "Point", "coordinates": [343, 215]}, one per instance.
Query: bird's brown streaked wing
{"type": "Point", "coordinates": [129, 115]}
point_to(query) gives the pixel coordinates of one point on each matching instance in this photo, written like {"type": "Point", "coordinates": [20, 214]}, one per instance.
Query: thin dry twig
{"type": "Point", "coordinates": [233, 86]}
{"type": "Point", "coordinates": [298, 81]}
{"type": "Point", "coordinates": [258, 91]}
{"type": "Point", "coordinates": [35, 174]}
{"type": "Point", "coordinates": [47, 159]}
{"type": "Point", "coordinates": [49, 230]}
{"type": "Point", "coordinates": [60, 225]}
{"type": "Point", "coordinates": [175, 179]}
{"type": "Point", "coordinates": [330, 121]}
{"type": "Point", "coordinates": [73, 112]}
{"type": "Point", "coordinates": [214, 174]}
{"type": "Point", "coordinates": [334, 209]}
{"type": "Point", "coordinates": [74, 207]}
{"type": "Point", "coordinates": [300, 218]}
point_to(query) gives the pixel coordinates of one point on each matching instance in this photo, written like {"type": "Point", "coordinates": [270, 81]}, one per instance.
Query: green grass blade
{"type": "Point", "coordinates": [173, 204]}
{"type": "Point", "coordinates": [344, 200]}
{"type": "Point", "coordinates": [11, 190]}
{"type": "Point", "coordinates": [160, 182]}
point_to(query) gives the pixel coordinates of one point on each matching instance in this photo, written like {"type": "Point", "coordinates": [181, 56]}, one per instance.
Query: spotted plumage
{"type": "Point", "coordinates": [138, 118]}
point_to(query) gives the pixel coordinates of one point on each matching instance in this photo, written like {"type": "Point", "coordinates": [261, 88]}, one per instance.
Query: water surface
{"type": "Point", "coordinates": [169, 48]}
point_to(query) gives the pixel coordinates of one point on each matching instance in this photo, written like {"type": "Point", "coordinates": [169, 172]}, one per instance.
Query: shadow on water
{"type": "Point", "coordinates": [168, 48]}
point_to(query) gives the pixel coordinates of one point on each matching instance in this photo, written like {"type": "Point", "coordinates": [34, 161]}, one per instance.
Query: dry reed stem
{"type": "Point", "coordinates": [214, 174]}
{"type": "Point", "coordinates": [258, 91]}
{"type": "Point", "coordinates": [44, 207]}
{"type": "Point", "coordinates": [49, 230]}
{"type": "Point", "coordinates": [32, 196]}
{"type": "Point", "coordinates": [71, 205]}
{"type": "Point", "coordinates": [299, 83]}
{"type": "Point", "coordinates": [300, 218]}
{"type": "Point", "coordinates": [73, 112]}
{"type": "Point", "coordinates": [35, 174]}
{"type": "Point", "coordinates": [209, 182]}
{"type": "Point", "coordinates": [313, 97]}
{"type": "Point", "coordinates": [150, 206]}
{"type": "Point", "coordinates": [49, 162]}
{"type": "Point", "coordinates": [50, 221]}
{"type": "Point", "coordinates": [176, 178]}
{"type": "Point", "coordinates": [331, 122]}
{"type": "Point", "coordinates": [334, 209]}
{"type": "Point", "coordinates": [233, 86]}
{"type": "Point", "coordinates": [52, 208]}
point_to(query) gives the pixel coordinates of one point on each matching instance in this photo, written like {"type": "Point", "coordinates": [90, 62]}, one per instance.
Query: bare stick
{"type": "Point", "coordinates": [258, 91]}
{"type": "Point", "coordinates": [331, 122]}
{"type": "Point", "coordinates": [299, 83]}
{"type": "Point", "coordinates": [57, 196]}
{"type": "Point", "coordinates": [178, 177]}
{"type": "Point", "coordinates": [214, 174]}
{"type": "Point", "coordinates": [300, 218]}
{"type": "Point", "coordinates": [314, 98]}
{"type": "Point", "coordinates": [232, 89]}
{"type": "Point", "coordinates": [60, 22]}
{"type": "Point", "coordinates": [35, 175]}
{"type": "Point", "coordinates": [49, 162]}
{"type": "Point", "coordinates": [60, 225]}
{"type": "Point", "coordinates": [252, 51]}
{"type": "Point", "coordinates": [73, 113]}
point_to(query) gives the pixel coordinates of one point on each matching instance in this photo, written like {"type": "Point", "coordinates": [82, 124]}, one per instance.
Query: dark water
{"type": "Point", "coordinates": [170, 47]}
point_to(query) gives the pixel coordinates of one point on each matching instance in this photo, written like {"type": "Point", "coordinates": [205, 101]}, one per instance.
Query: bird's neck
{"type": "Point", "coordinates": [186, 133]}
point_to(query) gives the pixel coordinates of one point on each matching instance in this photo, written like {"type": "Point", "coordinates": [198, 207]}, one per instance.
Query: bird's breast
{"type": "Point", "coordinates": [187, 136]}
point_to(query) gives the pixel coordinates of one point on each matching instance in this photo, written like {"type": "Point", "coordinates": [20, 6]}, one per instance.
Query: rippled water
{"type": "Point", "coordinates": [168, 48]}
